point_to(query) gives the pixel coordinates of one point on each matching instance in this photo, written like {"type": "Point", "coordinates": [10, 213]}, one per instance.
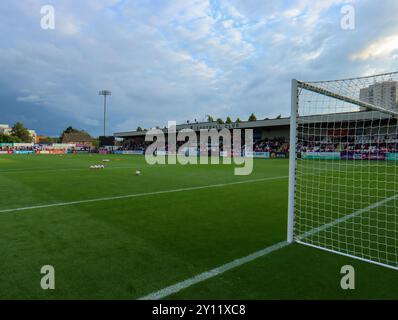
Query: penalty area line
{"type": "Point", "coordinates": [136, 195]}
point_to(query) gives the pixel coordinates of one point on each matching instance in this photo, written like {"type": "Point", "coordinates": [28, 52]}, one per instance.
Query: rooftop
{"type": "Point", "coordinates": [76, 137]}
{"type": "Point", "coordinates": [338, 117]}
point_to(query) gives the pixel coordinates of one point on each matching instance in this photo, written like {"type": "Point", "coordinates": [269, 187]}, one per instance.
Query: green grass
{"type": "Point", "coordinates": [128, 248]}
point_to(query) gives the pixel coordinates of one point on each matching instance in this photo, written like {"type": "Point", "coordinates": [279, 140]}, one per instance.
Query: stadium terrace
{"type": "Point", "coordinates": [271, 136]}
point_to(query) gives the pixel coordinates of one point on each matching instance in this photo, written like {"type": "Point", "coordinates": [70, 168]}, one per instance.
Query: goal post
{"type": "Point", "coordinates": [343, 176]}
{"type": "Point", "coordinates": [292, 161]}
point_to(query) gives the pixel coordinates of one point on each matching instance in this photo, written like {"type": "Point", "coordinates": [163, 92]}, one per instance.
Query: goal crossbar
{"type": "Point", "coordinates": [310, 87]}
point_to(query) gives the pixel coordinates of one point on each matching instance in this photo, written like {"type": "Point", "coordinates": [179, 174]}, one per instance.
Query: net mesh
{"type": "Point", "coordinates": [346, 195]}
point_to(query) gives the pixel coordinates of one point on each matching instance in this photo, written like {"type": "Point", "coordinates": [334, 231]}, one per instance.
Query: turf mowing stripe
{"type": "Point", "coordinates": [236, 263]}
{"type": "Point", "coordinates": [212, 273]}
{"type": "Point", "coordinates": [69, 169]}
{"type": "Point", "coordinates": [60, 204]}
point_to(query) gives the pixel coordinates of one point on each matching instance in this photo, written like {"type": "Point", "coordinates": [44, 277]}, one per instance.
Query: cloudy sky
{"type": "Point", "coordinates": [179, 59]}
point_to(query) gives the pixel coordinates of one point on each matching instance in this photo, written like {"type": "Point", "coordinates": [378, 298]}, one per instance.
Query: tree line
{"type": "Point", "coordinates": [228, 120]}
{"type": "Point", "coordinates": [20, 134]}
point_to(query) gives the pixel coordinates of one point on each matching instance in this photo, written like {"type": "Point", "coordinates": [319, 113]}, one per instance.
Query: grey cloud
{"type": "Point", "coordinates": [172, 60]}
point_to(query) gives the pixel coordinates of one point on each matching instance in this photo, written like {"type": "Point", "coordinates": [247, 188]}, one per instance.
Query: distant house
{"type": "Point", "coordinates": [34, 136]}
{"type": "Point", "coordinates": [7, 130]}
{"type": "Point", "coordinates": [78, 138]}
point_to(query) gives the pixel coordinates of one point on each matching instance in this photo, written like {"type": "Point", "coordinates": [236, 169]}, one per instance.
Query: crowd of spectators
{"type": "Point", "coordinates": [377, 143]}
{"type": "Point", "coordinates": [278, 144]}
{"type": "Point", "coordinates": [309, 143]}
{"type": "Point", "coordinates": [41, 147]}
{"type": "Point", "coordinates": [367, 143]}
{"type": "Point", "coordinates": [133, 145]}
{"type": "Point", "coordinates": [19, 148]}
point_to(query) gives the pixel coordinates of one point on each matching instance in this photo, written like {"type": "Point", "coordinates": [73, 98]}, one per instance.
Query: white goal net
{"type": "Point", "coordinates": [343, 193]}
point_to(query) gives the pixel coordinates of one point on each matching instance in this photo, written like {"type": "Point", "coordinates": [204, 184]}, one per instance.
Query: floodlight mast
{"type": "Point", "coordinates": [105, 93]}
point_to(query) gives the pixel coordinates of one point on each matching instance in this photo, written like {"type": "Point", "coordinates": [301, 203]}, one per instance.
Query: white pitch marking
{"type": "Point", "coordinates": [236, 263]}
{"type": "Point", "coordinates": [60, 204]}
{"type": "Point", "coordinates": [212, 273]}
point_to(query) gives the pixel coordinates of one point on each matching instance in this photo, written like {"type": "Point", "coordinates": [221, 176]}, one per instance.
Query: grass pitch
{"type": "Point", "coordinates": [167, 229]}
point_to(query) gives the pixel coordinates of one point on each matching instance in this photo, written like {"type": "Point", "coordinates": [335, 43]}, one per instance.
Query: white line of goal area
{"type": "Point", "coordinates": [136, 195]}
{"type": "Point", "coordinates": [165, 292]}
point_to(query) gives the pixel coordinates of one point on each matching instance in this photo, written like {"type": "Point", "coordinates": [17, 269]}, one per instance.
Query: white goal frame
{"type": "Point", "coordinates": [296, 87]}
